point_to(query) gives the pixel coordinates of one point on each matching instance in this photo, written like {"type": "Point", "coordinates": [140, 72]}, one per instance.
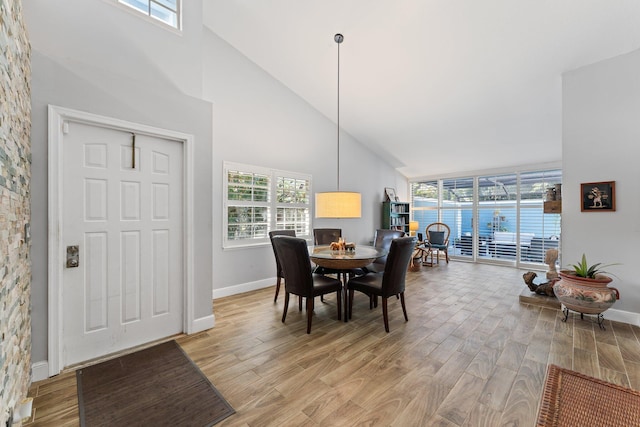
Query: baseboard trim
{"type": "Point", "coordinates": [623, 316]}
{"type": "Point", "coordinates": [243, 287]}
{"type": "Point", "coordinates": [203, 323]}
{"type": "Point", "coordinates": [39, 371]}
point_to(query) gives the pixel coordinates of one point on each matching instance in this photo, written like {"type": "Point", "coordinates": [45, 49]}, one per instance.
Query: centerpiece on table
{"type": "Point", "coordinates": [341, 245]}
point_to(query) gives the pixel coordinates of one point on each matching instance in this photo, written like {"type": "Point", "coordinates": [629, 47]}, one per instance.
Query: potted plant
{"type": "Point", "coordinates": [584, 288]}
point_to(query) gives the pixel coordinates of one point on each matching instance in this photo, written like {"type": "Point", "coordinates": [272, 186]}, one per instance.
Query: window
{"type": "Point", "coordinates": [167, 11]}
{"type": "Point", "coordinates": [425, 204]}
{"type": "Point", "coordinates": [497, 217]}
{"type": "Point", "coordinates": [258, 200]}
{"type": "Point", "coordinates": [545, 227]}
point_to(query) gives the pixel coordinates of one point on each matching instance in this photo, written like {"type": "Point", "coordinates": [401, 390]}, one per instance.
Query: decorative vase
{"type": "Point", "coordinates": [584, 295]}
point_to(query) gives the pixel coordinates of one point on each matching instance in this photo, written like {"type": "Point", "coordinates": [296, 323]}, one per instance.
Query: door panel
{"type": "Point", "coordinates": [127, 221]}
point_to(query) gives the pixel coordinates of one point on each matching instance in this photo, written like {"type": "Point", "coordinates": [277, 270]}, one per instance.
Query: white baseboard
{"type": "Point", "coordinates": [39, 371]}
{"type": "Point", "coordinates": [243, 287]}
{"type": "Point", "coordinates": [203, 323]}
{"type": "Point", "coordinates": [623, 316]}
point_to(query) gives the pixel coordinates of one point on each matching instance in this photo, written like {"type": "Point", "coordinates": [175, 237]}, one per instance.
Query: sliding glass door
{"type": "Point", "coordinates": [492, 217]}
{"type": "Point", "coordinates": [544, 227]}
{"type": "Point", "coordinates": [498, 216]}
{"type": "Point", "coordinates": [457, 213]}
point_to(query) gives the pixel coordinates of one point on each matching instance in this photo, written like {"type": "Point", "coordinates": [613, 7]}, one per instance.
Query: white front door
{"type": "Point", "coordinates": [126, 220]}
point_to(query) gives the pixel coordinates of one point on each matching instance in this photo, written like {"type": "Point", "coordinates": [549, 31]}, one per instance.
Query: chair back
{"type": "Point", "coordinates": [395, 269]}
{"type": "Point", "coordinates": [382, 239]}
{"type": "Point", "coordinates": [437, 234]}
{"type": "Point", "coordinates": [296, 268]}
{"type": "Point", "coordinates": [273, 233]}
{"type": "Point", "coordinates": [324, 236]}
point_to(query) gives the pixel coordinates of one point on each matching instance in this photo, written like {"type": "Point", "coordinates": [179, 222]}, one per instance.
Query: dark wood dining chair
{"type": "Point", "coordinates": [298, 277]}
{"type": "Point", "coordinates": [279, 275]}
{"type": "Point", "coordinates": [391, 282]}
{"type": "Point", "coordinates": [382, 239]}
{"type": "Point", "coordinates": [326, 236]}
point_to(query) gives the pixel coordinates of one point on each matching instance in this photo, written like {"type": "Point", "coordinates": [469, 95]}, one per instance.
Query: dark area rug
{"type": "Point", "coordinates": [158, 386]}
{"type": "Point", "coordinates": [573, 399]}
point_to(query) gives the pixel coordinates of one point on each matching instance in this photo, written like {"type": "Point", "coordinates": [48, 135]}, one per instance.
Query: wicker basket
{"type": "Point", "coordinates": [416, 261]}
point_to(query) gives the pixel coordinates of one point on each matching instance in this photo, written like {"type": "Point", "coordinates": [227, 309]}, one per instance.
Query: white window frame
{"type": "Point", "coordinates": [147, 15]}
{"type": "Point", "coordinates": [518, 204]}
{"type": "Point", "coordinates": [272, 203]}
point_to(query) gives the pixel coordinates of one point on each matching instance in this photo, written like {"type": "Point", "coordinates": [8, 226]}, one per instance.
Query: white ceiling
{"type": "Point", "coordinates": [436, 86]}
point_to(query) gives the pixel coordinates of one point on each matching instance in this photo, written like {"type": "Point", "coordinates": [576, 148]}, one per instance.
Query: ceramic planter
{"type": "Point", "coordinates": [588, 296]}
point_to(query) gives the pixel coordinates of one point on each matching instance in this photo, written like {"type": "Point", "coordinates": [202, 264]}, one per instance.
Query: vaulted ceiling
{"type": "Point", "coordinates": [435, 86]}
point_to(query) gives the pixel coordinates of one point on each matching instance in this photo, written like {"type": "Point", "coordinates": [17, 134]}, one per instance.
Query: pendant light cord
{"type": "Point", "coordinates": [338, 39]}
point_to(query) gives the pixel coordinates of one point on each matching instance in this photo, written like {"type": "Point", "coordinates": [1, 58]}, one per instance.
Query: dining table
{"type": "Point", "coordinates": [345, 261]}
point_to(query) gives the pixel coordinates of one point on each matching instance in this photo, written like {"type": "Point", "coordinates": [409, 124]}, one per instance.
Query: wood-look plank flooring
{"type": "Point", "coordinates": [470, 355]}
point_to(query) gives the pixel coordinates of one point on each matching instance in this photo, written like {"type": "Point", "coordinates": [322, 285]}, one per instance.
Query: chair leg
{"type": "Point", "coordinates": [404, 309]}
{"type": "Point", "coordinates": [339, 298]}
{"type": "Point", "coordinates": [350, 298]}
{"type": "Point", "coordinates": [299, 303]}
{"type": "Point", "coordinates": [309, 313]}
{"type": "Point", "coordinates": [277, 290]}
{"type": "Point", "coordinates": [426, 257]}
{"type": "Point", "coordinates": [385, 314]}
{"type": "Point", "coordinates": [286, 306]}
{"type": "Point", "coordinates": [446, 255]}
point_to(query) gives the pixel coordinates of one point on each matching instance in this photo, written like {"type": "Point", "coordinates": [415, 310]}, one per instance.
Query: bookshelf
{"type": "Point", "coordinates": [395, 216]}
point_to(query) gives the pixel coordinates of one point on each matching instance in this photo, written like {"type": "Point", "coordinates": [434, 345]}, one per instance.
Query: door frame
{"type": "Point", "coordinates": [58, 116]}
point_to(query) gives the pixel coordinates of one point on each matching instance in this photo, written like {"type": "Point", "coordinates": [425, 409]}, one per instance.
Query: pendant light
{"type": "Point", "coordinates": [338, 204]}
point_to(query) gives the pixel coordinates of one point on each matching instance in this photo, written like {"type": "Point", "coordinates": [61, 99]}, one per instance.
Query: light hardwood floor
{"type": "Point", "coordinates": [470, 355]}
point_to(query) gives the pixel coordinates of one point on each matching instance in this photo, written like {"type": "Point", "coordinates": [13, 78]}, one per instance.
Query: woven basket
{"type": "Point", "coordinates": [416, 262]}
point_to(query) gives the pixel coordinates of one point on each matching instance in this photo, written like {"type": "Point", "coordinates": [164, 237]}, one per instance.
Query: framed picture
{"type": "Point", "coordinates": [390, 194]}
{"type": "Point", "coordinates": [598, 196]}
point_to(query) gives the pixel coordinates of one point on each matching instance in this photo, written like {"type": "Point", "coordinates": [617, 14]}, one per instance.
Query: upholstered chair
{"type": "Point", "coordinates": [382, 239]}
{"type": "Point", "coordinates": [391, 282]}
{"type": "Point", "coordinates": [298, 277]}
{"type": "Point", "coordinates": [279, 274]}
{"type": "Point", "coordinates": [437, 235]}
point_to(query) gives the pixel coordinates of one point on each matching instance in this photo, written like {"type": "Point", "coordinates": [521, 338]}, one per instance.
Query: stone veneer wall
{"type": "Point", "coordinates": [15, 177]}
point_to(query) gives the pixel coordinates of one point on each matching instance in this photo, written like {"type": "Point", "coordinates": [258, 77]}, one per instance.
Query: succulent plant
{"type": "Point", "coordinates": [583, 269]}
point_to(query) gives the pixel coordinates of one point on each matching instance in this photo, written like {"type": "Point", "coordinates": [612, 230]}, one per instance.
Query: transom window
{"type": "Point", "coordinates": [167, 11]}
{"type": "Point", "coordinates": [258, 200]}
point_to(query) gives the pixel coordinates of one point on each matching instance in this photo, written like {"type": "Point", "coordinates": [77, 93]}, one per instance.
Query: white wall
{"type": "Point", "coordinates": [601, 142]}
{"type": "Point", "coordinates": [97, 57]}
{"type": "Point", "coordinates": [258, 121]}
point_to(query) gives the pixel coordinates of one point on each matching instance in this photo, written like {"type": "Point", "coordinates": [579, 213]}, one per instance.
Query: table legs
{"type": "Point", "coordinates": [345, 295]}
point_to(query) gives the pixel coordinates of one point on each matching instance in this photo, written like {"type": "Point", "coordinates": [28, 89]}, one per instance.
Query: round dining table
{"type": "Point", "coordinates": [344, 261]}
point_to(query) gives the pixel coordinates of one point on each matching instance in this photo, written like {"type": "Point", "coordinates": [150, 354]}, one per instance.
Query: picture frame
{"type": "Point", "coordinates": [598, 196]}
{"type": "Point", "coordinates": [390, 194]}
